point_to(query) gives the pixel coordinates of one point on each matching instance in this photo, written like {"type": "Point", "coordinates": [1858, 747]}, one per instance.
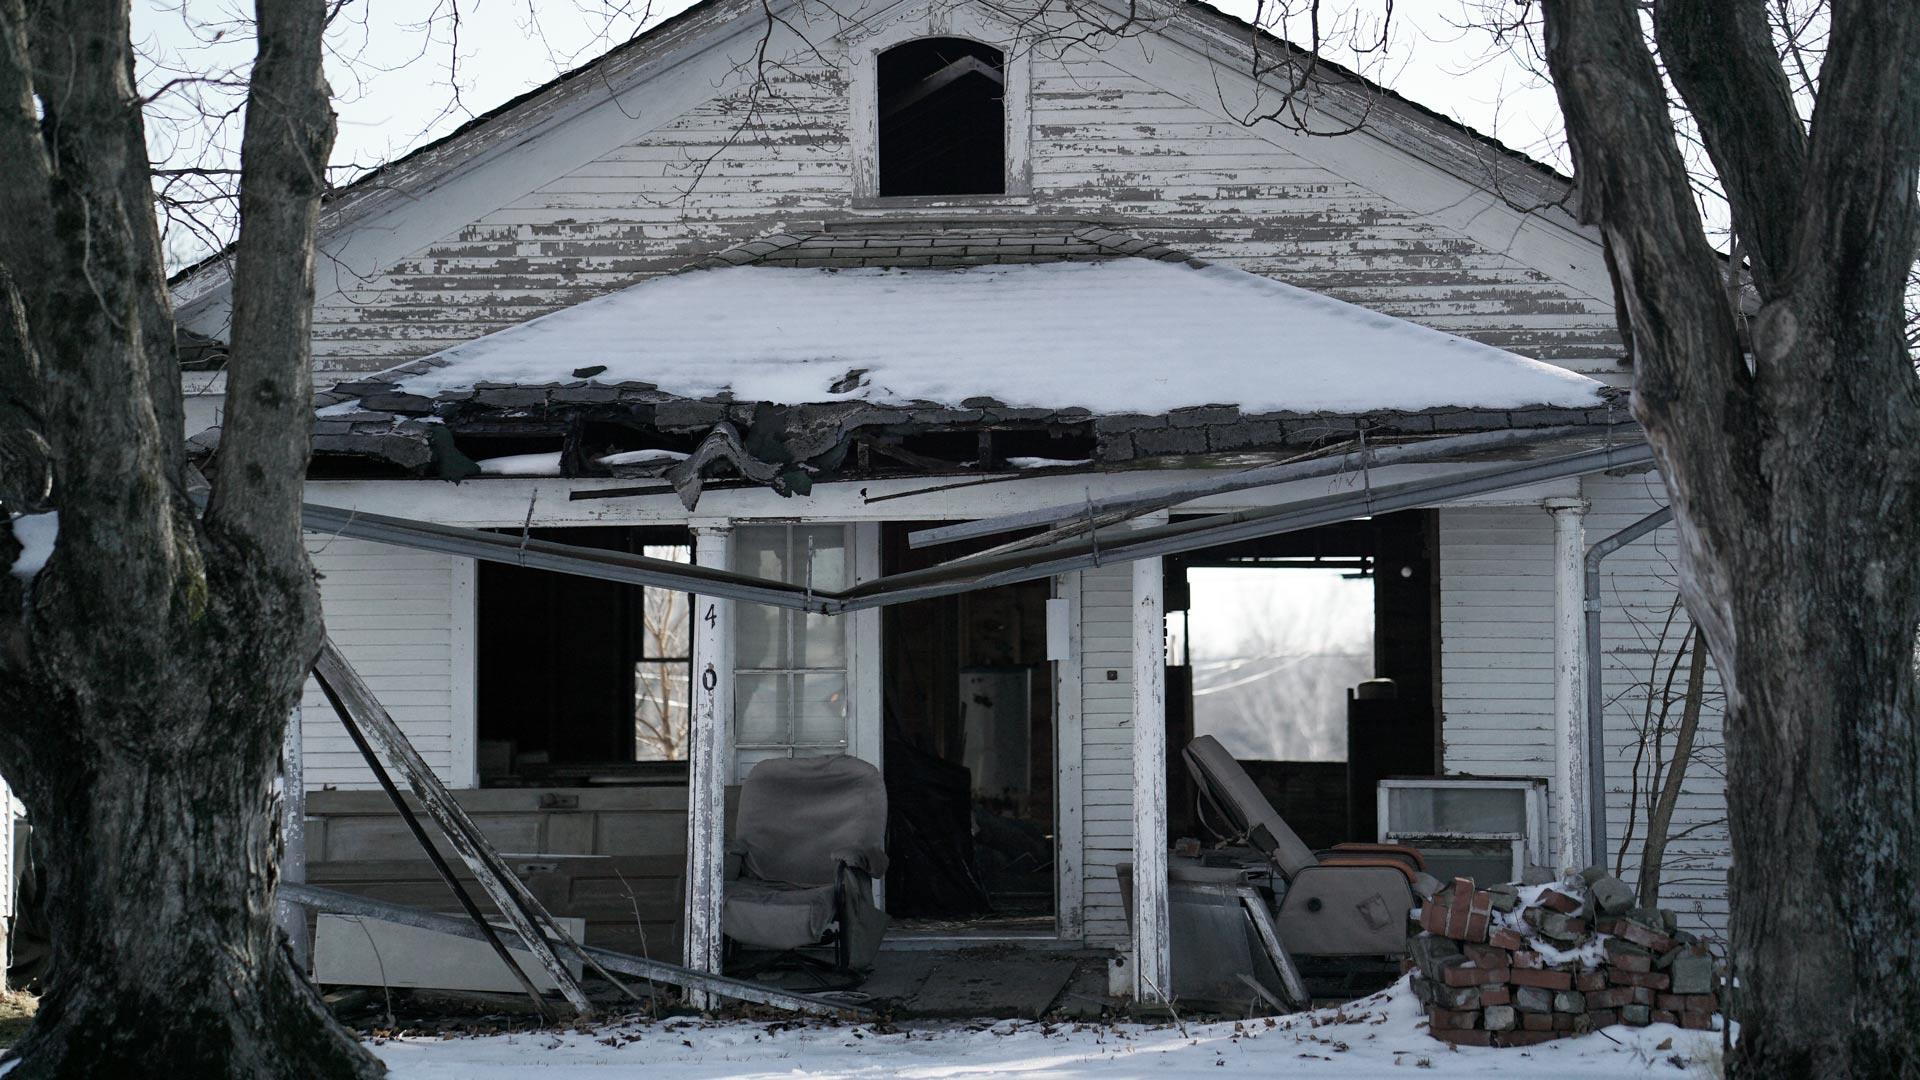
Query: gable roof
{"type": "Point", "coordinates": [423, 167]}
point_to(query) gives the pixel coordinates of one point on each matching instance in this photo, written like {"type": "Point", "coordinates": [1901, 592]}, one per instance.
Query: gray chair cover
{"type": "Point", "coordinates": [811, 836]}
{"type": "Point", "coordinates": [1231, 791]}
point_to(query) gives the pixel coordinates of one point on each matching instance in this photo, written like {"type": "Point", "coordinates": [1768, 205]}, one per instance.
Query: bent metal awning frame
{"type": "Point", "coordinates": [1098, 548]}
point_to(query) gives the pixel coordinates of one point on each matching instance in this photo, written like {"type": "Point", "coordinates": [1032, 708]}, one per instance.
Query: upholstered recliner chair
{"type": "Point", "coordinates": [1349, 900]}
{"type": "Point", "coordinates": [809, 840]}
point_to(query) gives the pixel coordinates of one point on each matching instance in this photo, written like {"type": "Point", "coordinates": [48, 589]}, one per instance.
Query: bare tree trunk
{"type": "Point", "coordinates": [147, 670]}
{"type": "Point", "coordinates": [1653, 853]}
{"type": "Point", "coordinates": [1795, 481]}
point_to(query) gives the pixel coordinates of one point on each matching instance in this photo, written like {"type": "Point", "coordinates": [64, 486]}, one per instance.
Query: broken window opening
{"type": "Point", "coordinates": [583, 681]}
{"type": "Point", "coordinates": [942, 118]}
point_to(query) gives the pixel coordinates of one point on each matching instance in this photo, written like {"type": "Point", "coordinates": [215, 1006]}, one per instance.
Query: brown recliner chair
{"type": "Point", "coordinates": [1350, 900]}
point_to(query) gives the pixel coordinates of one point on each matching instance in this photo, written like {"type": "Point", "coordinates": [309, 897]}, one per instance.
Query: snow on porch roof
{"type": "Point", "coordinates": [1124, 335]}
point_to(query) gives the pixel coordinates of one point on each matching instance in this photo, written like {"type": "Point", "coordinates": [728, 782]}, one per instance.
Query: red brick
{"type": "Point", "coordinates": [1601, 1018]}
{"type": "Point", "coordinates": [1590, 980]}
{"type": "Point", "coordinates": [1459, 900]}
{"type": "Point", "coordinates": [1536, 1021]}
{"type": "Point", "coordinates": [1640, 935]}
{"type": "Point", "coordinates": [1550, 980]}
{"type": "Point", "coordinates": [1567, 1021]}
{"type": "Point", "coordinates": [1485, 956]}
{"type": "Point", "coordinates": [1479, 918]}
{"type": "Point", "coordinates": [1460, 1037]}
{"type": "Point", "coordinates": [1560, 902]}
{"type": "Point", "coordinates": [1509, 940]}
{"type": "Point", "coordinates": [1669, 1002]}
{"type": "Point", "coordinates": [1658, 980]}
{"type": "Point", "coordinates": [1433, 916]}
{"type": "Point", "coordinates": [1697, 1021]}
{"type": "Point", "coordinates": [1525, 1038]}
{"type": "Point", "coordinates": [1610, 999]}
{"type": "Point", "coordinates": [1453, 1018]}
{"type": "Point", "coordinates": [1496, 994]}
{"type": "Point", "coordinates": [1527, 960]}
{"type": "Point", "coordinates": [1706, 1003]}
{"type": "Point", "coordinates": [1665, 1016]}
{"type": "Point", "coordinates": [1606, 925]}
{"type": "Point", "coordinates": [1627, 961]}
{"type": "Point", "coordinates": [1468, 975]}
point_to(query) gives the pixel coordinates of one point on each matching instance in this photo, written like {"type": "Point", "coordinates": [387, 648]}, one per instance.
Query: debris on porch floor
{"type": "Point", "coordinates": [1375, 1036]}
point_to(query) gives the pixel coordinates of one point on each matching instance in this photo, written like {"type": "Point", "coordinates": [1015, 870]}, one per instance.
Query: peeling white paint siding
{"type": "Point", "coordinates": [1499, 669]}
{"type": "Point", "coordinates": [392, 612]}
{"type": "Point", "coordinates": [1497, 645]}
{"type": "Point", "coordinates": [1134, 137]}
{"type": "Point", "coordinates": [1637, 584]}
{"type": "Point", "coordinates": [1106, 680]}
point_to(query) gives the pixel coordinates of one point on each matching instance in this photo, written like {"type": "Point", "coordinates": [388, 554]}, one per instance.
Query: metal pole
{"type": "Point", "coordinates": [1162, 498]}
{"type": "Point", "coordinates": [1596, 722]}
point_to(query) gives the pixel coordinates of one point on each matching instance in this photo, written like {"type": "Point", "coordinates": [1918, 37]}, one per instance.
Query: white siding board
{"type": "Point", "coordinates": [1106, 644]}
{"type": "Point", "coordinates": [391, 612]}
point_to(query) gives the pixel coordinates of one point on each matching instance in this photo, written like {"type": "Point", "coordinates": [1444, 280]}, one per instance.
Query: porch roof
{"type": "Point", "coordinates": [1111, 336]}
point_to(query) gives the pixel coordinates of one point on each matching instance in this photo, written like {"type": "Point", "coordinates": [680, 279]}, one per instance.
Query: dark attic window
{"type": "Point", "coordinates": [943, 124]}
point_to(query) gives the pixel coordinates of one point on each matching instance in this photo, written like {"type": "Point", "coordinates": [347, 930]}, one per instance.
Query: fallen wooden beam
{"type": "Point", "coordinates": [364, 715]}
{"type": "Point", "coordinates": [339, 903]}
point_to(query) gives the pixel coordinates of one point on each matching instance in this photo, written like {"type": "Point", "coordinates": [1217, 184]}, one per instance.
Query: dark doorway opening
{"type": "Point", "coordinates": [942, 118]}
{"type": "Point", "coordinates": [583, 681]}
{"type": "Point", "coordinates": [969, 708]}
{"type": "Point", "coordinates": [1314, 657]}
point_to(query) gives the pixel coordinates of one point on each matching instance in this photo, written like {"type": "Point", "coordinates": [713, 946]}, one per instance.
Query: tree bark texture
{"type": "Point", "coordinates": [1794, 475]}
{"type": "Point", "coordinates": [146, 672]}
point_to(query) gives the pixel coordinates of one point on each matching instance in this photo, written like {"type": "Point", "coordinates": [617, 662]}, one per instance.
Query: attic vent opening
{"type": "Point", "coordinates": [943, 127]}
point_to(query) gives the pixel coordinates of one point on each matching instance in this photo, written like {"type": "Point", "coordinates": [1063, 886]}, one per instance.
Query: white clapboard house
{"type": "Point", "coordinates": [935, 264]}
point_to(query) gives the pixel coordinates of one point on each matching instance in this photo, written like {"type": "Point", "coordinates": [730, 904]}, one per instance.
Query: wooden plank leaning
{"type": "Point", "coordinates": [363, 711]}
{"type": "Point", "coordinates": [420, 837]}
{"type": "Point", "coordinates": [331, 900]}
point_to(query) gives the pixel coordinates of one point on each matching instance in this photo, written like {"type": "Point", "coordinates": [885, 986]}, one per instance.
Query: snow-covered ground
{"type": "Point", "coordinates": [1376, 1036]}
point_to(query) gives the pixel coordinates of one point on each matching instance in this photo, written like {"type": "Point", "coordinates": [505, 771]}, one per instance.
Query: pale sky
{"type": "Point", "coordinates": [400, 82]}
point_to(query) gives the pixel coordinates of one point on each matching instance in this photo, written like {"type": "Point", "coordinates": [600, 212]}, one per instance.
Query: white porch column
{"type": "Point", "coordinates": [1152, 963]}
{"type": "Point", "coordinates": [1570, 848]}
{"type": "Point", "coordinates": [293, 834]}
{"type": "Point", "coordinates": [707, 760]}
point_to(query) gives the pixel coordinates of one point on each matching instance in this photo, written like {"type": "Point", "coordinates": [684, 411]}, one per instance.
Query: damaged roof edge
{"type": "Point", "coordinates": [1120, 546]}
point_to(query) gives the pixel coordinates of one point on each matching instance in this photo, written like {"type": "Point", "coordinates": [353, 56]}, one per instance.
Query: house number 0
{"type": "Point", "coordinates": [708, 680]}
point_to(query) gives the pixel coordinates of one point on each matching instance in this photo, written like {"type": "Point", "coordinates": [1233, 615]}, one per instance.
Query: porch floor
{"type": "Point", "coordinates": [1002, 981]}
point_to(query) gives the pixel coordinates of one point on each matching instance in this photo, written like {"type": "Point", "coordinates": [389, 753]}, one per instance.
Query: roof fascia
{"type": "Point", "coordinates": [386, 216]}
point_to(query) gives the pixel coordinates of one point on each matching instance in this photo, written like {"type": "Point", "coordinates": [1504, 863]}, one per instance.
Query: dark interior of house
{"type": "Point", "coordinates": [1392, 727]}
{"type": "Point", "coordinates": [942, 118]}
{"type": "Point", "coordinates": [968, 701]}
{"type": "Point", "coordinates": [577, 682]}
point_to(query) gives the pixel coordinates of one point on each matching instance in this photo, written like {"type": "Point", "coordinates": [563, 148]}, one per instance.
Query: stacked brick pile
{"type": "Point", "coordinates": [1507, 966]}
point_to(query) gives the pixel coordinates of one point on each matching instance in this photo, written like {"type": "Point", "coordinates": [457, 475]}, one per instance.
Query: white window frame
{"type": "Point", "coordinates": [863, 80]}
{"type": "Point", "coordinates": [749, 752]}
